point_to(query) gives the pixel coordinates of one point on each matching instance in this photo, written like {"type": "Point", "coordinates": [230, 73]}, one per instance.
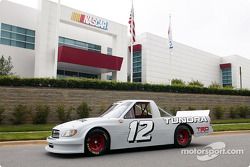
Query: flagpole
{"type": "Point", "coordinates": [131, 45]}
{"type": "Point", "coordinates": [57, 35]}
{"type": "Point", "coordinates": [170, 50]}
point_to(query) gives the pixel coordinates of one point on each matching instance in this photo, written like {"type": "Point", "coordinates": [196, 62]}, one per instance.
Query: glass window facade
{"type": "Point", "coordinates": [79, 44]}
{"type": "Point", "coordinates": [109, 77]}
{"type": "Point", "coordinates": [65, 74]}
{"type": "Point", "coordinates": [137, 67]}
{"type": "Point", "coordinates": [227, 76]}
{"type": "Point", "coordinates": [109, 51]}
{"type": "Point", "coordinates": [16, 36]}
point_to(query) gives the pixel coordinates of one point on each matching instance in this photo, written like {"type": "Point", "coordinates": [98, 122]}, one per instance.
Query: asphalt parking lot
{"type": "Point", "coordinates": [163, 156]}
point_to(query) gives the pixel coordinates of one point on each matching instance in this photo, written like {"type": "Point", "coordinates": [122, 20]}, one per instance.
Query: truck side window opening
{"type": "Point", "coordinates": [139, 111]}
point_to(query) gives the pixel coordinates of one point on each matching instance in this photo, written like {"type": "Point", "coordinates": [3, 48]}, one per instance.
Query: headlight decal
{"type": "Point", "coordinates": [69, 133]}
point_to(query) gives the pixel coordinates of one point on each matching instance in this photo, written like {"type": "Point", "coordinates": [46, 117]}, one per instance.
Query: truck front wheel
{"type": "Point", "coordinates": [97, 142]}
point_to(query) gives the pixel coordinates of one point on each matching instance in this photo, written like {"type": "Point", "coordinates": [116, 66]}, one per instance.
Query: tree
{"type": "Point", "coordinates": [196, 84]}
{"type": "Point", "coordinates": [6, 66]}
{"type": "Point", "coordinates": [178, 82]}
{"type": "Point", "coordinates": [215, 85]}
{"type": "Point", "coordinates": [83, 110]}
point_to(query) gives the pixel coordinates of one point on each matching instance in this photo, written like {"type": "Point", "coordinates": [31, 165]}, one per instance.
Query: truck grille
{"type": "Point", "coordinates": [55, 133]}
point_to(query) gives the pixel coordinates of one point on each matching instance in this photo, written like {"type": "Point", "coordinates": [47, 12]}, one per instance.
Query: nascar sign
{"type": "Point", "coordinates": [89, 20]}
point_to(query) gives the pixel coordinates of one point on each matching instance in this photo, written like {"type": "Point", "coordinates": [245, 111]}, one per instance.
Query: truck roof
{"type": "Point", "coordinates": [123, 101]}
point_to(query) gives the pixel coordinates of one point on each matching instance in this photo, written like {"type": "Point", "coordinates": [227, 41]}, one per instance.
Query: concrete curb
{"type": "Point", "coordinates": [44, 142]}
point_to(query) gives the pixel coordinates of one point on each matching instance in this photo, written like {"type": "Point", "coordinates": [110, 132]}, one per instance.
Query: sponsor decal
{"type": "Point", "coordinates": [178, 120]}
{"type": "Point", "coordinates": [89, 20]}
{"type": "Point", "coordinates": [212, 151]}
{"type": "Point", "coordinates": [203, 129]}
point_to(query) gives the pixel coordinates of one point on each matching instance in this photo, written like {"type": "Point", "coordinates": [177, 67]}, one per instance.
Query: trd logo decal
{"type": "Point", "coordinates": [203, 129]}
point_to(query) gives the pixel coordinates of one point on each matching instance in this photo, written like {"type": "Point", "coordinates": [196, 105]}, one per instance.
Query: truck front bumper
{"type": "Point", "coordinates": [65, 146]}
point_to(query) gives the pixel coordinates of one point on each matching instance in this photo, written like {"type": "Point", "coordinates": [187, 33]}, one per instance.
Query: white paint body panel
{"type": "Point", "coordinates": [192, 113]}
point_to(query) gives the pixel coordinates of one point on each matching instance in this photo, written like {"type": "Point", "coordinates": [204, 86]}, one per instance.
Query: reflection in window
{"type": "Point", "coordinates": [67, 74]}
{"type": "Point", "coordinates": [226, 76]}
{"type": "Point", "coordinates": [79, 44]}
{"type": "Point", "coordinates": [137, 66]}
{"type": "Point", "coordinates": [16, 36]}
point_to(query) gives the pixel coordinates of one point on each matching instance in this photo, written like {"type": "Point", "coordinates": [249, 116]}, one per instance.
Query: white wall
{"type": "Point", "coordinates": [23, 59]}
{"type": "Point", "coordinates": [47, 40]}
{"type": "Point", "coordinates": [185, 63]}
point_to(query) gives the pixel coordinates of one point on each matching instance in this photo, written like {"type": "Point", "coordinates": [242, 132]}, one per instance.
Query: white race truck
{"type": "Point", "coordinates": [129, 124]}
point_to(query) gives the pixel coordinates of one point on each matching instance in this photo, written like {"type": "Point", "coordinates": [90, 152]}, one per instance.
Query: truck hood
{"type": "Point", "coordinates": [76, 124]}
{"type": "Point", "coordinates": [192, 113]}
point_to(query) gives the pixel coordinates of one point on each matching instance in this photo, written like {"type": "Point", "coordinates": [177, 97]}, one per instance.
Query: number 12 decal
{"type": "Point", "coordinates": [141, 135]}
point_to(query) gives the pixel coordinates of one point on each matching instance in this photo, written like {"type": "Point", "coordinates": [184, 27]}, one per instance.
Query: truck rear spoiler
{"type": "Point", "coordinates": [192, 113]}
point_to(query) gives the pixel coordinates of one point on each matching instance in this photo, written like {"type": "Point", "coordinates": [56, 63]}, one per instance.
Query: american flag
{"type": "Point", "coordinates": [170, 38]}
{"type": "Point", "coordinates": [132, 24]}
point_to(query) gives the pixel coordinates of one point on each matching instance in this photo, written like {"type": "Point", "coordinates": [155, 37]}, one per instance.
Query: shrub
{"type": "Point", "coordinates": [178, 82]}
{"type": "Point", "coordinates": [2, 109]}
{"type": "Point", "coordinates": [191, 108]}
{"type": "Point", "coordinates": [41, 114]}
{"type": "Point", "coordinates": [174, 110]}
{"type": "Point", "coordinates": [218, 112]}
{"type": "Point", "coordinates": [205, 108]}
{"type": "Point", "coordinates": [215, 85]}
{"type": "Point", "coordinates": [83, 110]}
{"type": "Point", "coordinates": [232, 112]}
{"type": "Point", "coordinates": [228, 87]}
{"type": "Point", "coordinates": [242, 111]}
{"type": "Point", "coordinates": [104, 85]}
{"type": "Point", "coordinates": [63, 116]}
{"type": "Point", "coordinates": [196, 84]}
{"type": "Point", "coordinates": [102, 109]}
{"type": "Point", "coordinates": [19, 114]}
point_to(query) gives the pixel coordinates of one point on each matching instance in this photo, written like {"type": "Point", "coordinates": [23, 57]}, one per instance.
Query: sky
{"type": "Point", "coordinates": [221, 27]}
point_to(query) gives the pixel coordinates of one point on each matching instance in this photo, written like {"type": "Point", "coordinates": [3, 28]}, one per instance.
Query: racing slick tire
{"type": "Point", "coordinates": [182, 136]}
{"type": "Point", "coordinates": [96, 142]}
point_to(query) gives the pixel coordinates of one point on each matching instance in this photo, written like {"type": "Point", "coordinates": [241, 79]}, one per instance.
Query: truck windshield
{"type": "Point", "coordinates": [116, 110]}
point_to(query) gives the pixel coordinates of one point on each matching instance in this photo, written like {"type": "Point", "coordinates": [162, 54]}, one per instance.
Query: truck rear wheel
{"type": "Point", "coordinates": [182, 136]}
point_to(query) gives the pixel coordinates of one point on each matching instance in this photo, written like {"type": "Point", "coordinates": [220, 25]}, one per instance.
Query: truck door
{"type": "Point", "coordinates": [139, 127]}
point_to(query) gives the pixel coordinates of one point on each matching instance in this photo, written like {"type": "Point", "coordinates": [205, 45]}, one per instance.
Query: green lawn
{"type": "Point", "coordinates": [233, 127]}
{"type": "Point", "coordinates": [24, 136]}
{"type": "Point", "coordinates": [230, 121]}
{"type": "Point", "coordinates": [26, 128]}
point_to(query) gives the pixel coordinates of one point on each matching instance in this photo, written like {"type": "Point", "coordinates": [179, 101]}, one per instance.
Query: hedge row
{"type": "Point", "coordinates": [107, 85]}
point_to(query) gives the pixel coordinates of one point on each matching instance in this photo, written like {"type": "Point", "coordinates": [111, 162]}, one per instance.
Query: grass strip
{"type": "Point", "coordinates": [231, 127]}
{"type": "Point", "coordinates": [24, 136]}
{"type": "Point", "coordinates": [231, 121]}
{"type": "Point", "coordinates": [26, 128]}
